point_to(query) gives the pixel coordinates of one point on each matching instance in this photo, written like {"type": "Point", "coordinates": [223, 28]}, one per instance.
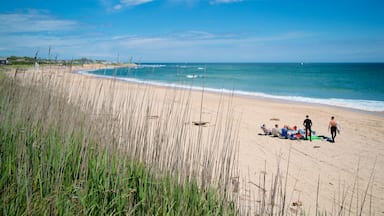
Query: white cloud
{"type": "Point", "coordinates": [130, 3]}
{"type": "Point", "coordinates": [117, 7]}
{"type": "Point", "coordinates": [194, 35]}
{"type": "Point", "coordinates": [177, 46]}
{"type": "Point", "coordinates": [33, 21]}
{"type": "Point", "coordinates": [134, 2]}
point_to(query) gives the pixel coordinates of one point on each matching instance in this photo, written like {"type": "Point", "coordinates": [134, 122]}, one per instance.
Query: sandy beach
{"type": "Point", "coordinates": [338, 167]}
{"type": "Point", "coordinates": [345, 173]}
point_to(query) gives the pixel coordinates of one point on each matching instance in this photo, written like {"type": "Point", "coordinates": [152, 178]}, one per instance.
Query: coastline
{"type": "Point", "coordinates": [258, 96]}
{"type": "Point", "coordinates": [353, 156]}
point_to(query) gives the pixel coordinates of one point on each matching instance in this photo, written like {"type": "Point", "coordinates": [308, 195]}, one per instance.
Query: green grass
{"type": "Point", "coordinates": [46, 170]}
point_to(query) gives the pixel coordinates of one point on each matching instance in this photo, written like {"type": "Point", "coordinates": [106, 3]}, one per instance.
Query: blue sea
{"type": "Point", "coordinates": [349, 85]}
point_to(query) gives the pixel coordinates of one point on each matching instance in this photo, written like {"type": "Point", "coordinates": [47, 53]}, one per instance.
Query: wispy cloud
{"type": "Point", "coordinates": [193, 35]}
{"type": "Point", "coordinates": [174, 46]}
{"type": "Point", "coordinates": [24, 31]}
{"type": "Point", "coordinates": [118, 7]}
{"type": "Point", "coordinates": [33, 21]}
{"type": "Point", "coordinates": [134, 2]}
{"type": "Point", "coordinates": [130, 3]}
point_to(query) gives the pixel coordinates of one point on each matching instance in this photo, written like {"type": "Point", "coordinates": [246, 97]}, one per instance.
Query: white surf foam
{"type": "Point", "coordinates": [359, 104]}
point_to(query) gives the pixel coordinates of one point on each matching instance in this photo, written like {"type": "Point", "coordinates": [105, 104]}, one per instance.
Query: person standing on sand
{"type": "Point", "coordinates": [333, 127]}
{"type": "Point", "coordinates": [308, 124]}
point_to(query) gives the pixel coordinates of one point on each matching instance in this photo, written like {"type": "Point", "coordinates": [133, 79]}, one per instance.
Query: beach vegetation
{"type": "Point", "coordinates": [58, 158]}
{"type": "Point", "coordinates": [28, 61]}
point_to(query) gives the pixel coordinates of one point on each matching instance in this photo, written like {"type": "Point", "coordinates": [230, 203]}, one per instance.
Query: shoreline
{"type": "Point", "coordinates": [226, 92]}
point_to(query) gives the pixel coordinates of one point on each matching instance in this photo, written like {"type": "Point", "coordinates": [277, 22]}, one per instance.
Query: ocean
{"type": "Point", "coordinates": [350, 85]}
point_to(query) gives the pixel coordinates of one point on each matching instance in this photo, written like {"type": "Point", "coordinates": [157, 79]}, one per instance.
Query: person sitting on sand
{"type": "Point", "coordinates": [288, 127]}
{"type": "Point", "coordinates": [276, 131]}
{"type": "Point", "coordinates": [333, 127]}
{"type": "Point", "coordinates": [284, 133]}
{"type": "Point", "coordinates": [266, 130]}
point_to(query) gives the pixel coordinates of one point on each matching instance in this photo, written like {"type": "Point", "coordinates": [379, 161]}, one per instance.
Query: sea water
{"type": "Point", "coordinates": [350, 85]}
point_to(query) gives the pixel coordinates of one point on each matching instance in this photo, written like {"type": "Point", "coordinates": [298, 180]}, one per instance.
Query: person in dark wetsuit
{"type": "Point", "coordinates": [333, 127]}
{"type": "Point", "coordinates": [308, 124]}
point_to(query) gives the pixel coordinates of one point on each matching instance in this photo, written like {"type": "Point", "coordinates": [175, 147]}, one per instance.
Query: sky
{"type": "Point", "coordinates": [195, 30]}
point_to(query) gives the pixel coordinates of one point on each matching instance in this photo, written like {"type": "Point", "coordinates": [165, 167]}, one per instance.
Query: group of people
{"type": "Point", "coordinates": [288, 132]}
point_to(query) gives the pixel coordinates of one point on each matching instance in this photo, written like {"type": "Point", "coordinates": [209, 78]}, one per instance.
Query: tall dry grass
{"type": "Point", "coordinates": [116, 126]}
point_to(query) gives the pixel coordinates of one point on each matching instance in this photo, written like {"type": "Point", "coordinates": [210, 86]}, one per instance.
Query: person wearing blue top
{"type": "Point", "coordinates": [308, 125]}
{"type": "Point", "coordinates": [284, 132]}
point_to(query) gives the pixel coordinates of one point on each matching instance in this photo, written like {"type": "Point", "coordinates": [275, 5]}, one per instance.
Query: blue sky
{"type": "Point", "coordinates": [196, 30]}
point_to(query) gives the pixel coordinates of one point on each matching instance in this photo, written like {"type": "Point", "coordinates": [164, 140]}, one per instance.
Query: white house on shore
{"type": "Point", "coordinates": [3, 61]}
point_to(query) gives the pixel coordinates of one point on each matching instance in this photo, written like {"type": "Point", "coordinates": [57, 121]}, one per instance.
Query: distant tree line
{"type": "Point", "coordinates": [25, 60]}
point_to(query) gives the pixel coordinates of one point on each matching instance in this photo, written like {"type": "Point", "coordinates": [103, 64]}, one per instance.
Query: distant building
{"type": "Point", "coordinates": [3, 61]}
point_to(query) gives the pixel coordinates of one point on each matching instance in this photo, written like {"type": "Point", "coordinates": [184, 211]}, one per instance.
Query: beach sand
{"type": "Point", "coordinates": [347, 172]}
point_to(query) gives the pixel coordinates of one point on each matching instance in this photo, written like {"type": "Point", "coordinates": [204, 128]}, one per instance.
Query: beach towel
{"type": "Point", "coordinates": [316, 138]}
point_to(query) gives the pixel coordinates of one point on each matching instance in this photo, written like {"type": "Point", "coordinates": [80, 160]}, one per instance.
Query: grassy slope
{"type": "Point", "coordinates": [48, 171]}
